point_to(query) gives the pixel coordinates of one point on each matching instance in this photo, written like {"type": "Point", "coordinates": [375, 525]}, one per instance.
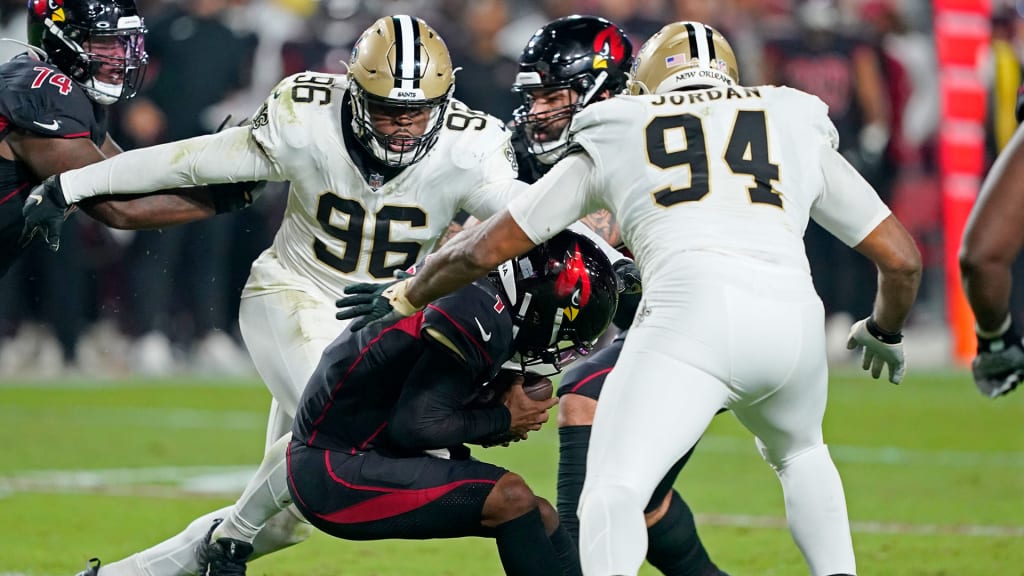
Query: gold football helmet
{"type": "Point", "coordinates": [683, 56]}
{"type": "Point", "coordinates": [399, 62]}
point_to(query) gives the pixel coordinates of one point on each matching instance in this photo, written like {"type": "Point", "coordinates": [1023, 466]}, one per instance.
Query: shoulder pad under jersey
{"type": "Point", "coordinates": [295, 111]}
{"type": "Point", "coordinates": [37, 97]}
{"type": "Point", "coordinates": [472, 137]}
{"type": "Point", "coordinates": [475, 320]}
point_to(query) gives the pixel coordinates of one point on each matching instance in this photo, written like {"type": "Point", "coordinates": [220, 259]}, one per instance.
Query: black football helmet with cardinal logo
{"type": "Point", "coordinates": [98, 43]}
{"type": "Point", "coordinates": [588, 55]}
{"type": "Point", "coordinates": [562, 295]}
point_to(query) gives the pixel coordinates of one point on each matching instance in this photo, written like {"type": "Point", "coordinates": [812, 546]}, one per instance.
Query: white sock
{"type": "Point", "coordinates": [175, 556]}
{"type": "Point", "coordinates": [816, 512]}
{"type": "Point", "coordinates": [265, 495]}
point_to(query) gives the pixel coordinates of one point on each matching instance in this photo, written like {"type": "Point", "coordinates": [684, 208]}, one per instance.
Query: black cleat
{"type": "Point", "coordinates": [222, 557]}
{"type": "Point", "coordinates": [93, 569]}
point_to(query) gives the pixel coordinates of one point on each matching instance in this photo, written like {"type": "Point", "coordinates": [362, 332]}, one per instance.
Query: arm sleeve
{"type": "Point", "coordinates": [228, 156]}
{"type": "Point", "coordinates": [849, 208]}
{"type": "Point", "coordinates": [560, 198]}
{"type": "Point", "coordinates": [430, 413]}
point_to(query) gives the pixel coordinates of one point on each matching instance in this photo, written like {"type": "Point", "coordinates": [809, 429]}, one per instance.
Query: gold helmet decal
{"type": "Point", "coordinates": [402, 58]}
{"type": "Point", "coordinates": [684, 55]}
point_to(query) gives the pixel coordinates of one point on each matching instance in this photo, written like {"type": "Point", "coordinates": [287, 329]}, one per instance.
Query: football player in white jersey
{"type": "Point", "coordinates": [379, 160]}
{"type": "Point", "coordinates": [713, 184]}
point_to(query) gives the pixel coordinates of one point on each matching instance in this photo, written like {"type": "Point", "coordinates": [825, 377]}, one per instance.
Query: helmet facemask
{"type": "Point", "coordinates": [546, 132]}
{"type": "Point", "coordinates": [108, 62]}
{"type": "Point", "coordinates": [401, 147]}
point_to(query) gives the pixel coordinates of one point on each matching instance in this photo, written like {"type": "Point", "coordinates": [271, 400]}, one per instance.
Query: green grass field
{"type": "Point", "coordinates": [934, 477]}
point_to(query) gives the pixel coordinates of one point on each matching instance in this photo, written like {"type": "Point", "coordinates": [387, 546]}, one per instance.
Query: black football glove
{"type": "Point", "coordinates": [630, 292]}
{"type": "Point", "coordinates": [375, 302]}
{"type": "Point", "coordinates": [44, 211]}
{"type": "Point", "coordinates": [232, 196]}
{"type": "Point", "coordinates": [998, 367]}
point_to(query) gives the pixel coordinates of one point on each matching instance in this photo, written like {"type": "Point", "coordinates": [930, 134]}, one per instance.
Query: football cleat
{"type": "Point", "coordinates": [93, 568]}
{"type": "Point", "coordinates": [223, 556]}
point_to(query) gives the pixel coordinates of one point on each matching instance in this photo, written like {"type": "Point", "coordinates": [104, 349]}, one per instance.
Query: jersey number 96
{"type": "Point", "coordinates": [352, 236]}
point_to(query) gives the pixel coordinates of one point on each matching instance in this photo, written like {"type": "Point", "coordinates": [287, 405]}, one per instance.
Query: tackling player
{"type": "Point", "coordinates": [379, 160]}
{"type": "Point", "coordinates": [567, 65]}
{"type": "Point", "coordinates": [713, 184]}
{"type": "Point", "coordinates": [85, 55]}
{"type": "Point", "coordinates": [377, 449]}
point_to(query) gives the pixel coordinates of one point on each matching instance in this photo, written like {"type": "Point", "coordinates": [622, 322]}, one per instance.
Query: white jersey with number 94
{"type": "Point", "coordinates": [732, 171]}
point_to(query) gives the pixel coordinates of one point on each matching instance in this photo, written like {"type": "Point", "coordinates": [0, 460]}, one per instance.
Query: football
{"type": "Point", "coordinates": [537, 387]}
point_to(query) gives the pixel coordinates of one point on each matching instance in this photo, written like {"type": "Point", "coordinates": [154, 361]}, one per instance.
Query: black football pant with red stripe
{"type": "Point", "coordinates": [370, 496]}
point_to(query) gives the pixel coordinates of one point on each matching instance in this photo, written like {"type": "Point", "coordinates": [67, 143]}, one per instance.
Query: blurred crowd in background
{"type": "Point", "coordinates": [163, 302]}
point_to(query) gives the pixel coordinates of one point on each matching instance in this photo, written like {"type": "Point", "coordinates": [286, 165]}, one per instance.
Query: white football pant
{"type": "Point", "coordinates": [746, 337]}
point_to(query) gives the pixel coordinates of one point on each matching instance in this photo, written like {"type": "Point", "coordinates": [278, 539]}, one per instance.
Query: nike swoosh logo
{"type": "Point", "coordinates": [483, 333]}
{"type": "Point", "coordinates": [51, 126]}
{"type": "Point", "coordinates": [37, 197]}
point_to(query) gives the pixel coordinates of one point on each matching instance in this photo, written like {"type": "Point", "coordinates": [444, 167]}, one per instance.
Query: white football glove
{"type": "Point", "coordinates": [877, 351]}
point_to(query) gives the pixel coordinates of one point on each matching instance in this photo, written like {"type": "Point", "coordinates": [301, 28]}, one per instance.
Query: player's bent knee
{"type": "Point", "coordinates": [576, 410]}
{"type": "Point", "coordinates": [779, 460]}
{"type": "Point", "coordinates": [548, 515]}
{"type": "Point", "coordinates": [509, 499]}
{"type": "Point", "coordinates": [284, 529]}
{"type": "Point", "coordinates": [610, 496]}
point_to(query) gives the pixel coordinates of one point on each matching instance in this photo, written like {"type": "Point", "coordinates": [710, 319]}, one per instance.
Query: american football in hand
{"type": "Point", "coordinates": [537, 387]}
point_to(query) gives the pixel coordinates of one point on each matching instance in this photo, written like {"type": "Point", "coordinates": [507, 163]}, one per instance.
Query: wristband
{"type": "Point", "coordinates": [881, 335]}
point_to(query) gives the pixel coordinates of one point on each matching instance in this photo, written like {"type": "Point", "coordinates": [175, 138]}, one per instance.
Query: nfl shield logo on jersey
{"type": "Point", "coordinates": [375, 180]}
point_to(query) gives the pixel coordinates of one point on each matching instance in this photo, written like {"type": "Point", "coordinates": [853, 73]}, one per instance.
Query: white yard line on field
{"type": "Point", "coordinates": [745, 521]}
{"type": "Point", "coordinates": [886, 455]}
{"type": "Point", "coordinates": [228, 481]}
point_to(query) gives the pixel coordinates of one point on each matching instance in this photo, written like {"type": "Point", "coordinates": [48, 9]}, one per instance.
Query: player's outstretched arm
{"type": "Point", "coordinates": [168, 208]}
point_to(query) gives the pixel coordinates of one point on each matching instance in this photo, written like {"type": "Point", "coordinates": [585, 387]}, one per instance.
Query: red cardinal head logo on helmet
{"type": "Point", "coordinates": [608, 46]}
{"type": "Point", "coordinates": [574, 281]}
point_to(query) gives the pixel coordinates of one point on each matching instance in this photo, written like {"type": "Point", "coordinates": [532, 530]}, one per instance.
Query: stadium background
{"type": "Point", "coordinates": [128, 405]}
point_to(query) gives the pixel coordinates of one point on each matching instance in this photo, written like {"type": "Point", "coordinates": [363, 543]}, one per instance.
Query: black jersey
{"type": "Point", "coordinates": [38, 98]}
{"type": "Point", "coordinates": [356, 388]}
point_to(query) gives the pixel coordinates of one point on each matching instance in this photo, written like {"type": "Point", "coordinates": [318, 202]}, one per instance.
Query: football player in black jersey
{"type": "Point", "coordinates": [86, 55]}
{"type": "Point", "coordinates": [377, 448]}
{"type": "Point", "coordinates": [568, 64]}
